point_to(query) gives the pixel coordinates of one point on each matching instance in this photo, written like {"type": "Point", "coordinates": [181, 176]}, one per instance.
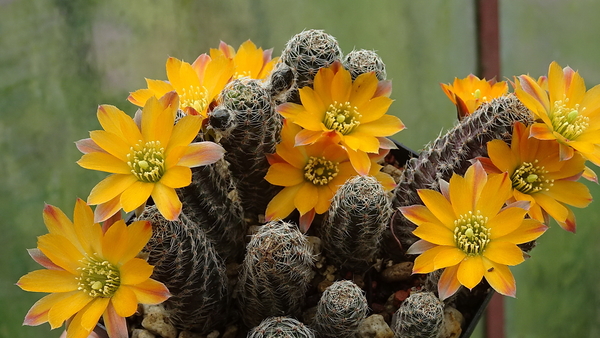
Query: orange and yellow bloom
{"type": "Point", "coordinates": [90, 274]}
{"type": "Point", "coordinates": [469, 93]}
{"type": "Point", "coordinates": [197, 84]}
{"type": "Point", "coordinates": [310, 175]}
{"type": "Point", "coordinates": [466, 230]}
{"type": "Point", "coordinates": [539, 176]}
{"type": "Point", "coordinates": [566, 112]}
{"type": "Point", "coordinates": [249, 60]}
{"type": "Point", "coordinates": [351, 113]}
{"type": "Point", "coordinates": [147, 157]}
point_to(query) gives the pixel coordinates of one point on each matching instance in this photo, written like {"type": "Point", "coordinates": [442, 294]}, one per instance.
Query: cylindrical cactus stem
{"type": "Point", "coordinates": [352, 232]}
{"type": "Point", "coordinates": [363, 61]}
{"type": "Point", "coordinates": [452, 153]}
{"type": "Point", "coordinates": [247, 126]}
{"type": "Point", "coordinates": [185, 260]}
{"type": "Point", "coordinates": [281, 327]}
{"type": "Point", "coordinates": [340, 310]}
{"type": "Point", "coordinates": [280, 81]}
{"type": "Point", "coordinates": [421, 315]}
{"type": "Point", "coordinates": [275, 274]}
{"type": "Point", "coordinates": [307, 52]}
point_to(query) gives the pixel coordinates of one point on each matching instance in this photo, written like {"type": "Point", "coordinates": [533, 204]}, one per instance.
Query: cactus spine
{"type": "Point", "coordinates": [363, 61]}
{"type": "Point", "coordinates": [248, 128]}
{"type": "Point", "coordinates": [340, 310]}
{"type": "Point", "coordinates": [421, 315]}
{"type": "Point", "coordinates": [280, 327]}
{"type": "Point", "coordinates": [307, 52]}
{"type": "Point", "coordinates": [354, 227]}
{"type": "Point", "coordinates": [452, 153]}
{"type": "Point", "coordinates": [275, 274]}
{"type": "Point", "coordinates": [185, 260]}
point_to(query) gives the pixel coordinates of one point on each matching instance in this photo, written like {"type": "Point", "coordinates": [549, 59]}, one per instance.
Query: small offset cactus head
{"type": "Point", "coordinates": [340, 310]}
{"type": "Point", "coordinates": [421, 315]}
{"type": "Point", "coordinates": [363, 61]}
{"type": "Point", "coordinates": [281, 327]}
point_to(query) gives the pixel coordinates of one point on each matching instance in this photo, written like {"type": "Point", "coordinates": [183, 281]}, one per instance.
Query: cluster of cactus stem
{"type": "Point", "coordinates": [357, 218]}
{"type": "Point", "coordinates": [185, 260]}
{"type": "Point", "coordinates": [281, 327]}
{"type": "Point", "coordinates": [421, 315]}
{"type": "Point", "coordinates": [275, 274]}
{"type": "Point", "coordinates": [340, 310]}
{"type": "Point", "coordinates": [276, 263]}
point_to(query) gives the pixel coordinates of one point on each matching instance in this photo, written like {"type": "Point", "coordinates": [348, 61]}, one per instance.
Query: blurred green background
{"type": "Point", "coordinates": [60, 59]}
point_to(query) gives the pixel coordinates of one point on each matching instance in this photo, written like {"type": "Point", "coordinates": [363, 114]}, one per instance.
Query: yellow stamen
{"type": "Point", "coordinates": [529, 178]}
{"type": "Point", "coordinates": [195, 97]}
{"type": "Point", "coordinates": [98, 278]}
{"type": "Point", "coordinates": [342, 117]}
{"type": "Point", "coordinates": [320, 171]}
{"type": "Point", "coordinates": [147, 161]}
{"type": "Point", "coordinates": [568, 121]}
{"type": "Point", "coordinates": [471, 234]}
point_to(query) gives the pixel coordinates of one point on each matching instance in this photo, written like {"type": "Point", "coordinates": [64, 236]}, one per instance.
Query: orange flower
{"type": "Point", "coordinates": [150, 157]}
{"type": "Point", "coordinates": [566, 112]}
{"type": "Point", "coordinates": [351, 113]}
{"type": "Point", "coordinates": [90, 273]}
{"type": "Point", "coordinates": [197, 84]}
{"type": "Point", "coordinates": [310, 175]}
{"type": "Point", "coordinates": [249, 61]}
{"type": "Point", "coordinates": [469, 93]}
{"type": "Point", "coordinates": [538, 176]}
{"type": "Point", "coordinates": [465, 230]}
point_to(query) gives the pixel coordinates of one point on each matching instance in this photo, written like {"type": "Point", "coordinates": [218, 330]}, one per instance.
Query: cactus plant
{"type": "Point", "coordinates": [307, 52]}
{"type": "Point", "coordinates": [357, 218]}
{"type": "Point", "coordinates": [280, 81]}
{"type": "Point", "coordinates": [421, 315]}
{"type": "Point", "coordinates": [452, 153]}
{"type": "Point", "coordinates": [248, 126]}
{"type": "Point", "coordinates": [275, 274]}
{"type": "Point", "coordinates": [281, 327]}
{"type": "Point", "coordinates": [340, 310]}
{"type": "Point", "coordinates": [186, 262]}
{"type": "Point", "coordinates": [363, 61]}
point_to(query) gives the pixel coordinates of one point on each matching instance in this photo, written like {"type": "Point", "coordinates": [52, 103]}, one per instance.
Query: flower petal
{"type": "Point", "coordinates": [386, 125]}
{"type": "Point", "coordinates": [38, 256]}
{"type": "Point", "coordinates": [67, 307]}
{"type": "Point", "coordinates": [61, 252]}
{"type": "Point", "coordinates": [139, 234]}
{"type": "Point", "coordinates": [419, 247]}
{"type": "Point", "coordinates": [435, 233]}
{"type": "Point", "coordinates": [114, 242]}
{"type": "Point", "coordinates": [116, 326]}
{"type": "Point", "coordinates": [104, 162]}
{"type": "Point", "coordinates": [360, 161]}
{"type": "Point", "coordinates": [500, 278]}
{"type": "Point", "coordinates": [506, 253]}
{"type": "Point", "coordinates": [424, 263]}
{"type": "Point", "coordinates": [136, 194]}
{"type": "Point", "coordinates": [106, 210]}
{"type": "Point", "coordinates": [124, 301]}
{"type": "Point", "coordinates": [92, 312]}
{"type": "Point", "coordinates": [448, 283]}
{"type": "Point", "coordinates": [470, 271]}
{"type": "Point", "coordinates": [135, 271]}
{"type": "Point", "coordinates": [166, 201]}
{"type": "Point", "coordinates": [439, 206]}
{"type": "Point", "coordinates": [38, 314]}
{"type": "Point", "coordinates": [505, 222]}
{"type": "Point", "coordinates": [177, 177]}
{"type": "Point", "coordinates": [201, 153]}
{"type": "Point", "coordinates": [529, 230]}
{"type": "Point", "coordinates": [284, 174]}
{"type": "Point", "coordinates": [185, 131]}
{"type": "Point", "coordinates": [305, 198]}
{"type": "Point", "coordinates": [449, 256]}
{"type": "Point", "coordinates": [48, 281]}
{"type": "Point", "coordinates": [110, 187]}
{"type": "Point", "coordinates": [150, 292]}
{"type": "Point", "coordinates": [282, 204]}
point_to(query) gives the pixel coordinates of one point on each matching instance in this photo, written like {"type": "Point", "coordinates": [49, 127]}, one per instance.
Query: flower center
{"type": "Point", "coordinates": [98, 278]}
{"type": "Point", "coordinates": [147, 162]}
{"type": "Point", "coordinates": [194, 97]}
{"type": "Point", "coordinates": [245, 73]}
{"type": "Point", "coordinates": [342, 117]}
{"type": "Point", "coordinates": [470, 233]}
{"type": "Point", "coordinates": [320, 171]}
{"type": "Point", "coordinates": [529, 178]}
{"type": "Point", "coordinates": [568, 121]}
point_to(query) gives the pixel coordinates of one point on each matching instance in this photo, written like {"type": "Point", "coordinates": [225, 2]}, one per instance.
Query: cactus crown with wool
{"type": "Point", "coordinates": [280, 327]}
{"type": "Point", "coordinates": [275, 274]}
{"type": "Point", "coordinates": [354, 227]}
{"type": "Point", "coordinates": [340, 310]}
{"type": "Point", "coordinates": [421, 315]}
{"type": "Point", "coordinates": [363, 61]}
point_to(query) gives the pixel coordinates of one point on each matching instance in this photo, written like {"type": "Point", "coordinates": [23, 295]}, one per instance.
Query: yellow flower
{"type": "Point", "coordinates": [310, 175]}
{"type": "Point", "coordinates": [352, 113]}
{"type": "Point", "coordinates": [469, 93]}
{"type": "Point", "coordinates": [147, 157]}
{"type": "Point", "coordinates": [465, 230]}
{"type": "Point", "coordinates": [197, 84]}
{"type": "Point", "coordinates": [538, 176]}
{"type": "Point", "coordinates": [249, 61]}
{"type": "Point", "coordinates": [566, 112]}
{"type": "Point", "coordinates": [90, 273]}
